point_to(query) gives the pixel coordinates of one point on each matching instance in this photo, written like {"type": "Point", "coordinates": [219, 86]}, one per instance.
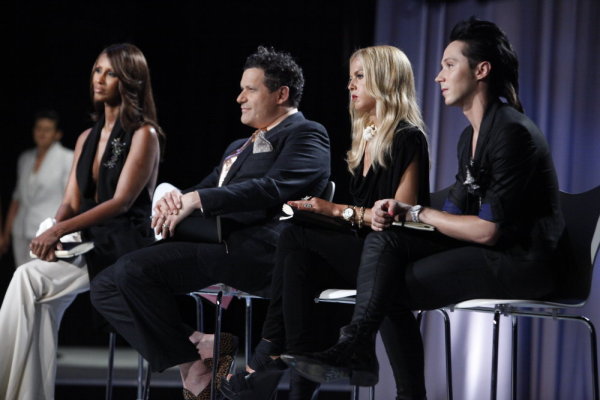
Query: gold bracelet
{"type": "Point", "coordinates": [361, 219]}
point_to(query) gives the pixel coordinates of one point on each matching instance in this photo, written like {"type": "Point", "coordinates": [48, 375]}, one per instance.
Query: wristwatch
{"type": "Point", "coordinates": [414, 212]}
{"type": "Point", "coordinates": [348, 214]}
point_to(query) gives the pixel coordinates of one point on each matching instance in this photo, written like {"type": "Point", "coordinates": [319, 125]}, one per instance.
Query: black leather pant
{"type": "Point", "coordinates": [311, 260]}
{"type": "Point", "coordinates": [403, 270]}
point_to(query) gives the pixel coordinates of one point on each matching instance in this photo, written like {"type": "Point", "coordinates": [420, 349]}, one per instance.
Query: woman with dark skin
{"type": "Point", "coordinates": [107, 199]}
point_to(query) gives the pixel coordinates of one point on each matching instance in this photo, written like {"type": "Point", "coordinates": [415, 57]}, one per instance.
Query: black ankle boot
{"type": "Point", "coordinates": [262, 354]}
{"type": "Point", "coordinates": [301, 388]}
{"type": "Point", "coordinates": [352, 357]}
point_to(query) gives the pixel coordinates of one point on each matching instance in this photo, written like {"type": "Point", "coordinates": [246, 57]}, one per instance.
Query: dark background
{"type": "Point", "coordinates": [195, 51]}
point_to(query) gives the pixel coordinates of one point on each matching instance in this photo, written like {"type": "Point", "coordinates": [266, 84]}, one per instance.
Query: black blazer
{"type": "Point", "coordinates": [259, 183]}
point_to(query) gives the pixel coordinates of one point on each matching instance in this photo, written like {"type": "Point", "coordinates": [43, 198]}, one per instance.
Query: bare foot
{"type": "Point", "coordinates": [195, 376]}
{"type": "Point", "coordinates": [204, 343]}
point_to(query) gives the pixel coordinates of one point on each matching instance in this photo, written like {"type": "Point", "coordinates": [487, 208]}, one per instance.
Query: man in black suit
{"type": "Point", "coordinates": [285, 159]}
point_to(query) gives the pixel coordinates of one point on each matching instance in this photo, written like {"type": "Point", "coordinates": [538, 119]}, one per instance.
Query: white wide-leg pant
{"type": "Point", "coordinates": [33, 306]}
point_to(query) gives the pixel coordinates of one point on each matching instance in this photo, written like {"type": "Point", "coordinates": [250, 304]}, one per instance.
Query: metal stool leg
{"type": "Point", "coordinates": [248, 339]}
{"type": "Point", "coordinates": [147, 382]}
{"type": "Point", "coordinates": [594, 346]}
{"type": "Point", "coordinates": [372, 393]}
{"type": "Point", "coordinates": [355, 392]}
{"type": "Point", "coordinates": [199, 311]}
{"type": "Point", "coordinates": [513, 355]}
{"type": "Point", "coordinates": [315, 395]}
{"type": "Point", "coordinates": [495, 337]}
{"type": "Point", "coordinates": [217, 346]}
{"type": "Point", "coordinates": [140, 378]}
{"type": "Point", "coordinates": [112, 339]}
{"type": "Point", "coordinates": [448, 346]}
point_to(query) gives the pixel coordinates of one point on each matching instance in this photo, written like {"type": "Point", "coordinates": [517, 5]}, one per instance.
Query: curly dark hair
{"type": "Point", "coordinates": [487, 42]}
{"type": "Point", "coordinates": [280, 70]}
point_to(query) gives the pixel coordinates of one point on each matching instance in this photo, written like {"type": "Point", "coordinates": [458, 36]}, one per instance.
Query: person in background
{"type": "Point", "coordinates": [388, 158]}
{"type": "Point", "coordinates": [498, 234]}
{"type": "Point", "coordinates": [108, 199]}
{"type": "Point", "coordinates": [42, 174]}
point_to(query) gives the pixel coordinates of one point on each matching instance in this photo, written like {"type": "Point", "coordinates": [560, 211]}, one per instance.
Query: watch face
{"type": "Point", "coordinates": [348, 213]}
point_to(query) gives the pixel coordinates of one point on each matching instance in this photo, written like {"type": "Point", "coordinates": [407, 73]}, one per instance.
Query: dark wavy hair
{"type": "Point", "coordinates": [135, 89]}
{"type": "Point", "coordinates": [280, 70]}
{"type": "Point", "coordinates": [487, 42]}
{"type": "Point", "coordinates": [48, 114]}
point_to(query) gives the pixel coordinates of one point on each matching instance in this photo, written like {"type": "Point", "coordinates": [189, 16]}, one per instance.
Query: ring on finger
{"type": "Point", "coordinates": [307, 205]}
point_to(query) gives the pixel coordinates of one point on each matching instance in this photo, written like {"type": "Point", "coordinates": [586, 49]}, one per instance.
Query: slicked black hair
{"type": "Point", "coordinates": [487, 42]}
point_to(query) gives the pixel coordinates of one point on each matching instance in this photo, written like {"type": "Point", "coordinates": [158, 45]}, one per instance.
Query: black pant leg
{"type": "Point", "coordinates": [273, 327]}
{"type": "Point", "coordinates": [137, 297]}
{"type": "Point", "coordinates": [401, 337]}
{"type": "Point", "coordinates": [452, 276]}
{"type": "Point", "coordinates": [308, 260]}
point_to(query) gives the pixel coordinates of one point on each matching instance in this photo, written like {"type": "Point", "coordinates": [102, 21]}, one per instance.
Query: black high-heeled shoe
{"type": "Point", "coordinates": [352, 357]}
{"type": "Point", "coordinates": [259, 385]}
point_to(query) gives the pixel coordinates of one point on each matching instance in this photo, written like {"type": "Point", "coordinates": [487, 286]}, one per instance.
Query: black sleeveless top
{"type": "Point", "coordinates": [122, 233]}
{"type": "Point", "coordinates": [381, 183]}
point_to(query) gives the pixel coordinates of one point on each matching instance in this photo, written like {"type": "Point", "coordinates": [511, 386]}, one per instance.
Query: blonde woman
{"type": "Point", "coordinates": [388, 158]}
{"type": "Point", "coordinates": [498, 235]}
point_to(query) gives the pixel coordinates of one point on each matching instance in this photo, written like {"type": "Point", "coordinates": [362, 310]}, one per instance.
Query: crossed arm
{"type": "Point", "coordinates": [406, 192]}
{"type": "Point", "coordinates": [469, 228]}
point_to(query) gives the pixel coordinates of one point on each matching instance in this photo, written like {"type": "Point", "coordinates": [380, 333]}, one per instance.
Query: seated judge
{"type": "Point", "coordinates": [499, 231]}
{"type": "Point", "coordinates": [107, 199]}
{"type": "Point", "coordinates": [388, 158]}
{"type": "Point", "coordinates": [287, 157]}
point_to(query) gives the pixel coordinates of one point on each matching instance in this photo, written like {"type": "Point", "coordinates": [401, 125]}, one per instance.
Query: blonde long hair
{"type": "Point", "coordinates": [389, 80]}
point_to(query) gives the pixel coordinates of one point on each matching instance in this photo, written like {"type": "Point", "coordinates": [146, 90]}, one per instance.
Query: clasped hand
{"type": "Point", "coordinates": [386, 211]}
{"type": "Point", "coordinates": [43, 246]}
{"type": "Point", "coordinates": [171, 210]}
{"type": "Point", "coordinates": [313, 204]}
